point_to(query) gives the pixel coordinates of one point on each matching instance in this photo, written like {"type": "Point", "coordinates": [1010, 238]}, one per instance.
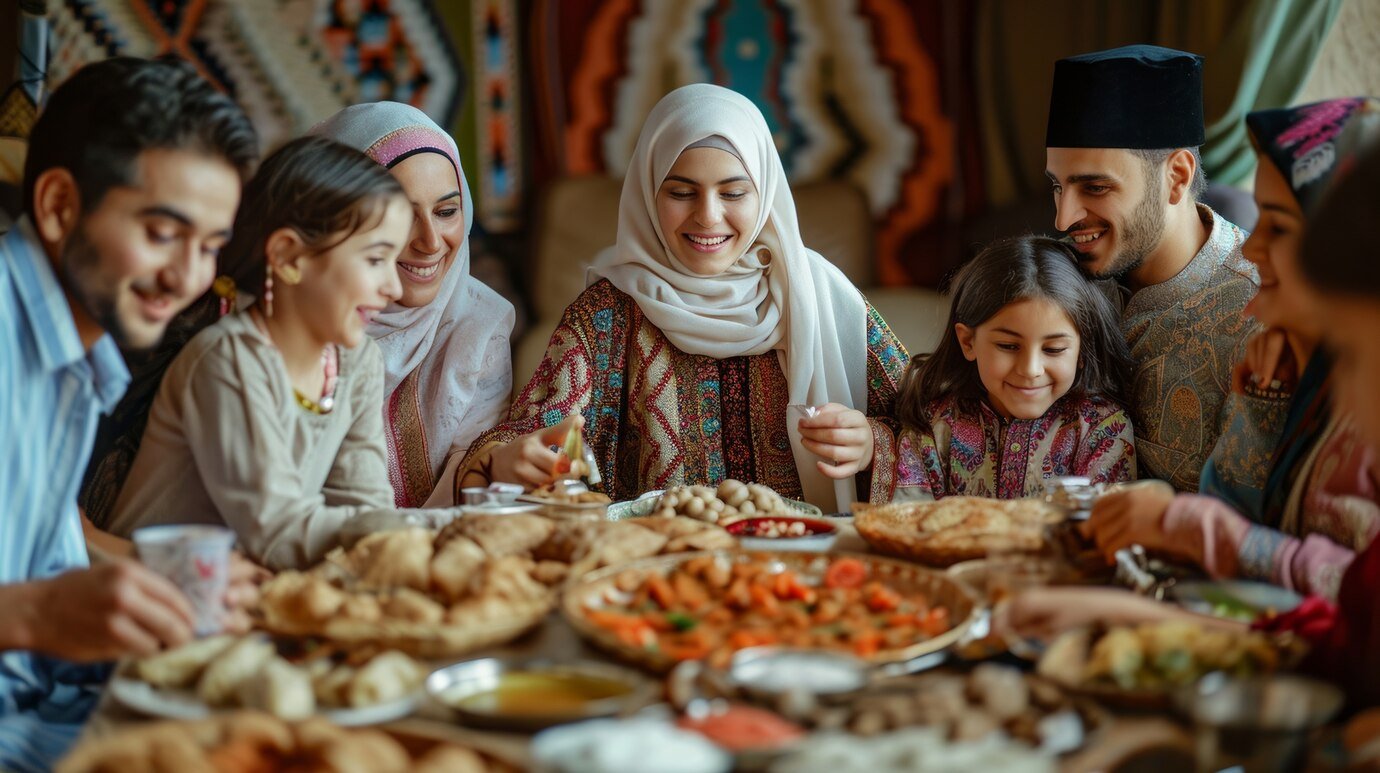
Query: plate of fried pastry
{"type": "Point", "coordinates": [954, 529]}
{"type": "Point", "coordinates": [481, 581]}
{"type": "Point", "coordinates": [253, 741]}
{"type": "Point", "coordinates": [289, 679]}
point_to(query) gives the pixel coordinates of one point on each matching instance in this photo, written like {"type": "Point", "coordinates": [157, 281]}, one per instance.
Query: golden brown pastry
{"type": "Point", "coordinates": [295, 600]}
{"type": "Point", "coordinates": [509, 578]}
{"type": "Point", "coordinates": [361, 607]}
{"type": "Point", "coordinates": [500, 535]}
{"type": "Point", "coordinates": [454, 565]}
{"type": "Point", "coordinates": [181, 666]}
{"type": "Point", "coordinates": [388, 677]}
{"type": "Point", "coordinates": [395, 559]}
{"type": "Point", "coordinates": [625, 541]}
{"type": "Point", "coordinates": [709, 539]}
{"type": "Point", "coordinates": [550, 573]}
{"type": "Point", "coordinates": [450, 759]}
{"type": "Point", "coordinates": [364, 751]}
{"type": "Point", "coordinates": [571, 538]}
{"type": "Point", "coordinates": [414, 607]}
{"type": "Point", "coordinates": [279, 688]}
{"type": "Point", "coordinates": [221, 680]}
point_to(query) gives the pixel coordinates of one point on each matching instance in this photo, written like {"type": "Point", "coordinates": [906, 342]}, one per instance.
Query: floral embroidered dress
{"type": "Point", "coordinates": [979, 453]}
{"type": "Point", "coordinates": [656, 416]}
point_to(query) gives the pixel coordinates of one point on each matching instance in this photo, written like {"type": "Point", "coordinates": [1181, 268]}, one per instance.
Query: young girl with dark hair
{"type": "Point", "coordinates": [1027, 387]}
{"type": "Point", "coordinates": [270, 420]}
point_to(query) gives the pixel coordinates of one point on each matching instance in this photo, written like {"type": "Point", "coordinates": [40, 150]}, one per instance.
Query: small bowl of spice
{"type": "Point", "coordinates": [780, 532]}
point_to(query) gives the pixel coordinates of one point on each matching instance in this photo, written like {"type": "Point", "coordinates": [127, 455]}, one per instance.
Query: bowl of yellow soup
{"type": "Point", "coordinates": [512, 695]}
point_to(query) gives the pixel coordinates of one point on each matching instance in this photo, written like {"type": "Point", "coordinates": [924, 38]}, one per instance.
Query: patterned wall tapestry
{"type": "Point", "coordinates": [851, 89]}
{"type": "Point", "coordinates": [289, 63]}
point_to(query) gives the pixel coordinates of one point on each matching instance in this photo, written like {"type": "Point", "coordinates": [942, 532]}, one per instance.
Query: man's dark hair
{"type": "Point", "coordinates": [1154, 159]}
{"type": "Point", "coordinates": [98, 121]}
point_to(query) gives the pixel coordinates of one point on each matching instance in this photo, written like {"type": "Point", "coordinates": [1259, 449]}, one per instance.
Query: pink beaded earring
{"type": "Point", "coordinates": [268, 292]}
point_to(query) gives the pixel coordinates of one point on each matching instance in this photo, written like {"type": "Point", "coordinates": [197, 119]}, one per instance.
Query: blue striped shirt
{"type": "Point", "coordinates": [52, 393]}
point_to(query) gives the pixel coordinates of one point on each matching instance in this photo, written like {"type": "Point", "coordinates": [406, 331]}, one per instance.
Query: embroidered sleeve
{"type": "Point", "coordinates": [884, 461]}
{"type": "Point", "coordinates": [1240, 461]}
{"type": "Point", "coordinates": [560, 387]}
{"type": "Point", "coordinates": [1109, 450]}
{"type": "Point", "coordinates": [919, 471]}
{"type": "Point", "coordinates": [886, 364]}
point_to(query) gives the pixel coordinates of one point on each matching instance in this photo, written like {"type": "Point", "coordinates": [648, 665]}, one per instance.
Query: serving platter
{"type": "Point", "coordinates": [165, 703]}
{"type": "Point", "coordinates": [645, 505]}
{"type": "Point", "coordinates": [599, 591]}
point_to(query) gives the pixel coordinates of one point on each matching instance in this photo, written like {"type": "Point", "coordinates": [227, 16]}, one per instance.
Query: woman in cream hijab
{"type": "Point", "coordinates": [445, 342]}
{"type": "Point", "coordinates": [706, 319]}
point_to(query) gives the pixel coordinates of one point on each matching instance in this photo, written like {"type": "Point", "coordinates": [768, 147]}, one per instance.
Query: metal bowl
{"type": "Point", "coordinates": [453, 686]}
{"type": "Point", "coordinates": [1259, 723]}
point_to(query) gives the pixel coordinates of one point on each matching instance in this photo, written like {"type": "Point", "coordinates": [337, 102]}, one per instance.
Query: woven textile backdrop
{"type": "Point", "coordinates": [863, 90]}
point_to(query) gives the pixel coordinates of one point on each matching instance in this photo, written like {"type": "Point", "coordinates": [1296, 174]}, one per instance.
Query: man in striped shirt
{"type": "Point", "coordinates": [130, 187]}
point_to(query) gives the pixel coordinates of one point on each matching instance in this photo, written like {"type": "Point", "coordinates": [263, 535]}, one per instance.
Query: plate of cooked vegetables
{"type": "Point", "coordinates": [705, 606]}
{"type": "Point", "coordinates": [1141, 666]}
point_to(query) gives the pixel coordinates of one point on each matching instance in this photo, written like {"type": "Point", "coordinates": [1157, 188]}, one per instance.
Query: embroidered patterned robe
{"type": "Point", "coordinates": [656, 416]}
{"type": "Point", "coordinates": [1185, 336]}
{"type": "Point", "coordinates": [979, 453]}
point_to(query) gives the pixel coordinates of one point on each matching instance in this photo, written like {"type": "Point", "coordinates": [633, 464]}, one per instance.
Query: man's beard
{"type": "Point", "coordinates": [79, 267]}
{"type": "Point", "coordinates": [1141, 234]}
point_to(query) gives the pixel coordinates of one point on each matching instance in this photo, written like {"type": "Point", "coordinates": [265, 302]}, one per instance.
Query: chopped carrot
{"type": "Point", "coordinates": [935, 622]}
{"type": "Point", "coordinates": [612, 620]}
{"type": "Point", "coordinates": [661, 591]}
{"type": "Point", "coordinates": [845, 573]}
{"type": "Point", "coordinates": [866, 643]}
{"type": "Point", "coordinates": [880, 598]}
{"type": "Point", "coordinates": [899, 620]}
{"type": "Point", "coordinates": [763, 600]}
{"type": "Point", "coordinates": [642, 637]}
{"type": "Point", "coordinates": [739, 594]}
{"type": "Point", "coordinates": [690, 591]}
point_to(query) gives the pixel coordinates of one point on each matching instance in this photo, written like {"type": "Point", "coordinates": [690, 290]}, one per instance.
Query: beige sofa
{"type": "Point", "coordinates": [578, 217]}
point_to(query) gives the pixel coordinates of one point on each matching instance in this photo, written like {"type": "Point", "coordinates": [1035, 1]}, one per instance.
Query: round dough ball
{"type": "Point", "coordinates": [715, 504]}
{"type": "Point", "coordinates": [695, 507]}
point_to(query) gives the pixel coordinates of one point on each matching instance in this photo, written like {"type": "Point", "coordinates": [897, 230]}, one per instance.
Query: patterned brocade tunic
{"type": "Point", "coordinates": [1185, 335]}
{"type": "Point", "coordinates": [979, 453]}
{"type": "Point", "coordinates": [656, 416]}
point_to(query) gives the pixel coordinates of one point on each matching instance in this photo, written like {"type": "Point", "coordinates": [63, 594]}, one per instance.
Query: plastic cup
{"type": "Point", "coordinates": [195, 558]}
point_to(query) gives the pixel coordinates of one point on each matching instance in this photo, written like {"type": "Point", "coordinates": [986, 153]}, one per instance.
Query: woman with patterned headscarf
{"type": "Point", "coordinates": [1320, 500]}
{"type": "Point", "coordinates": [700, 325]}
{"type": "Point", "coordinates": [445, 342]}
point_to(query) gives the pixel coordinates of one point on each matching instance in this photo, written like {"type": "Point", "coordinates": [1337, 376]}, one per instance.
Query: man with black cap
{"type": "Point", "coordinates": [1122, 157]}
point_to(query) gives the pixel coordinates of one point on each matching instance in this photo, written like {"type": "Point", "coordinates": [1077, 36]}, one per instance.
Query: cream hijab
{"type": "Point", "coordinates": [779, 296]}
{"type": "Point", "coordinates": [459, 341]}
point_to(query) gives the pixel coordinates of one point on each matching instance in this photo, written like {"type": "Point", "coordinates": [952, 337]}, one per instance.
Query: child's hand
{"type": "Point", "coordinates": [841, 436]}
{"type": "Point", "coordinates": [1132, 514]}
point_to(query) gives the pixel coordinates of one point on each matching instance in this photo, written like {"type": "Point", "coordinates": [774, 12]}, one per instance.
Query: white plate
{"type": "Point", "coordinates": [184, 704]}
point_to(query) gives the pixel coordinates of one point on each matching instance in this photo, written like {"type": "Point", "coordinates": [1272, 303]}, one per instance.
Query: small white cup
{"type": "Point", "coordinates": [195, 558]}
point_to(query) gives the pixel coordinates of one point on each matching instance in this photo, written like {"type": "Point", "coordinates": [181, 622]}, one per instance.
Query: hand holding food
{"type": "Point", "coordinates": [529, 460]}
{"type": "Point", "coordinates": [841, 437]}
{"type": "Point", "coordinates": [1133, 514]}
